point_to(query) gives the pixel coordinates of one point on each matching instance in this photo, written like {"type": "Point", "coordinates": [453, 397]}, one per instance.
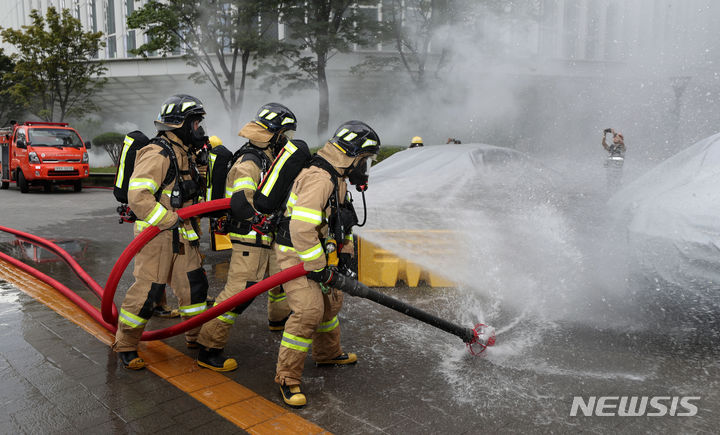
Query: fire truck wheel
{"type": "Point", "coordinates": [22, 183]}
{"type": "Point", "coordinates": [5, 185]}
{"type": "Point", "coordinates": [77, 187]}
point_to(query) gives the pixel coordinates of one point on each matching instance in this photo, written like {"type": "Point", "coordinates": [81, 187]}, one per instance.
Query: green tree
{"type": "Point", "coordinates": [113, 144]}
{"type": "Point", "coordinates": [10, 108]}
{"type": "Point", "coordinates": [218, 37]}
{"type": "Point", "coordinates": [323, 28]}
{"type": "Point", "coordinates": [54, 75]}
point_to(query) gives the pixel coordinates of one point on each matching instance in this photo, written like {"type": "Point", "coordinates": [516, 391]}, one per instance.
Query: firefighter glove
{"type": "Point", "coordinates": [325, 277]}
{"type": "Point", "coordinates": [345, 260]}
{"type": "Point", "coordinates": [178, 223]}
{"type": "Point", "coordinates": [345, 264]}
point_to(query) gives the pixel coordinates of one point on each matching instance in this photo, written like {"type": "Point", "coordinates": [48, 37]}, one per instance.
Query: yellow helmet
{"type": "Point", "coordinates": [215, 141]}
{"type": "Point", "coordinates": [417, 139]}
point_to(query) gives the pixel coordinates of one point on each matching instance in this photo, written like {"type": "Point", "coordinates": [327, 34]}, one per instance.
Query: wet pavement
{"type": "Point", "coordinates": [411, 378]}
{"type": "Point", "coordinates": [56, 378]}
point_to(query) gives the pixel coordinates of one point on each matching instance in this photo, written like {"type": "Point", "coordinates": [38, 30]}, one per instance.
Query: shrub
{"type": "Point", "coordinates": [112, 142]}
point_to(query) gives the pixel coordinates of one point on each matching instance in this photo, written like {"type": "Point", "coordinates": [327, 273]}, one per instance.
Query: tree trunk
{"type": "Point", "coordinates": [324, 98]}
{"type": "Point", "coordinates": [234, 124]}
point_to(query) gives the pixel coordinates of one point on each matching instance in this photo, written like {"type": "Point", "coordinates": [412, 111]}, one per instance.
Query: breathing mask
{"type": "Point", "coordinates": [198, 138]}
{"type": "Point", "coordinates": [358, 173]}
{"type": "Point", "coordinates": [192, 133]}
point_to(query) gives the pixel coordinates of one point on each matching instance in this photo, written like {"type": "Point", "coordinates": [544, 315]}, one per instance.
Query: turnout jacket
{"type": "Point", "coordinates": [308, 208]}
{"type": "Point", "coordinates": [151, 167]}
{"type": "Point", "coordinates": [245, 175]}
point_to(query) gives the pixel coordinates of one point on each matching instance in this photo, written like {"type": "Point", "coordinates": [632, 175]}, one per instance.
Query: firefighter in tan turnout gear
{"type": "Point", "coordinates": [319, 212]}
{"type": "Point", "coordinates": [164, 180]}
{"type": "Point", "coordinates": [252, 255]}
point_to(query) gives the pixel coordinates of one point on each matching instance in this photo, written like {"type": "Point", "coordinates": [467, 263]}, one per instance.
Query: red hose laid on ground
{"type": "Point", "coordinates": [80, 302]}
{"type": "Point", "coordinates": [64, 255]}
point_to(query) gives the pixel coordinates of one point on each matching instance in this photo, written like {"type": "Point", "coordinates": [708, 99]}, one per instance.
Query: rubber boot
{"type": "Point", "coordinates": [345, 358]}
{"type": "Point", "coordinates": [293, 396]}
{"type": "Point", "coordinates": [213, 359]}
{"type": "Point", "coordinates": [131, 360]}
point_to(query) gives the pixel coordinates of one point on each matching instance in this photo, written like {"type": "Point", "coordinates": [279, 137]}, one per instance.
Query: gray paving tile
{"type": "Point", "coordinates": [17, 393]}
{"type": "Point", "coordinates": [136, 410]}
{"type": "Point", "coordinates": [114, 425]}
{"type": "Point", "coordinates": [22, 356]}
{"type": "Point", "coordinates": [74, 400]}
{"type": "Point", "coordinates": [48, 379]}
{"type": "Point", "coordinates": [178, 406]}
{"type": "Point", "coordinates": [8, 425]}
{"type": "Point", "coordinates": [42, 417]}
{"type": "Point", "coordinates": [90, 417]}
{"type": "Point", "coordinates": [198, 419]}
{"type": "Point", "coordinates": [214, 427]}
{"type": "Point", "coordinates": [153, 423]}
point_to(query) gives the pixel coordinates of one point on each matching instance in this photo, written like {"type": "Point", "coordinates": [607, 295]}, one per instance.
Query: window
{"type": "Point", "coordinates": [111, 47]}
{"type": "Point", "coordinates": [130, 37]}
{"type": "Point", "coordinates": [54, 137]}
{"type": "Point", "coordinates": [369, 14]}
{"type": "Point", "coordinates": [269, 26]}
{"type": "Point", "coordinates": [93, 15]}
{"type": "Point", "coordinates": [20, 135]}
{"type": "Point", "coordinates": [110, 17]}
{"type": "Point", "coordinates": [110, 25]}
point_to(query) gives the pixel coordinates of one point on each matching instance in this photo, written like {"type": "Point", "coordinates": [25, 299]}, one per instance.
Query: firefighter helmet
{"type": "Point", "coordinates": [417, 139]}
{"type": "Point", "coordinates": [176, 109]}
{"type": "Point", "coordinates": [276, 118]}
{"type": "Point", "coordinates": [355, 138]}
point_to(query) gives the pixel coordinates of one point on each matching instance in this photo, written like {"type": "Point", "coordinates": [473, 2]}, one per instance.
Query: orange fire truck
{"type": "Point", "coordinates": [42, 153]}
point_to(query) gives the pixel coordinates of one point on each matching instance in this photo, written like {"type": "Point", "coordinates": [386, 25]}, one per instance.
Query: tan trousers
{"type": "Point", "coordinates": [313, 322]}
{"type": "Point", "coordinates": [248, 265]}
{"type": "Point", "coordinates": [155, 266]}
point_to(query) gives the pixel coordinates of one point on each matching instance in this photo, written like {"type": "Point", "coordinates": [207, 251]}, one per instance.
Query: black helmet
{"type": "Point", "coordinates": [176, 109]}
{"type": "Point", "coordinates": [276, 118]}
{"type": "Point", "coordinates": [355, 138]}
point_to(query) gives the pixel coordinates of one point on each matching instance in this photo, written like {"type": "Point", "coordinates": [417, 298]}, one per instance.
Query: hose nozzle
{"type": "Point", "coordinates": [483, 337]}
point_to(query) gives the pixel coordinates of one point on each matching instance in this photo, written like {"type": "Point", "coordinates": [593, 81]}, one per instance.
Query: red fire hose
{"type": "Point", "coordinates": [107, 316]}
{"type": "Point", "coordinates": [481, 336]}
{"type": "Point", "coordinates": [80, 302]}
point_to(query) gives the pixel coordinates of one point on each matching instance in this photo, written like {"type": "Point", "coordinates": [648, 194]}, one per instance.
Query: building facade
{"type": "Point", "coordinates": [665, 44]}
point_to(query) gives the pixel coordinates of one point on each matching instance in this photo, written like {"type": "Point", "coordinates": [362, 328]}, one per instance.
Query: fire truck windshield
{"type": "Point", "coordinates": [54, 137]}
